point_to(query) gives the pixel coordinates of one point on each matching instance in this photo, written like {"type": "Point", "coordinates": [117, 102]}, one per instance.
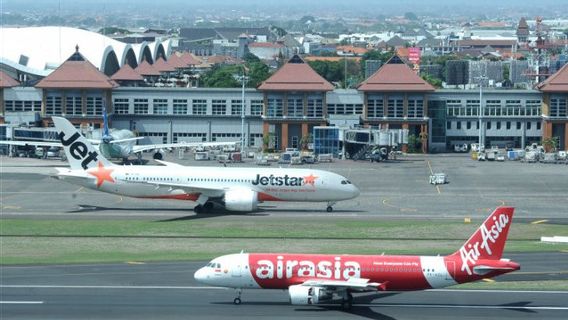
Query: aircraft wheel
{"type": "Point", "coordinates": [198, 209]}
{"type": "Point", "coordinates": [237, 301]}
{"type": "Point", "coordinates": [158, 156]}
{"type": "Point", "coordinates": [329, 209]}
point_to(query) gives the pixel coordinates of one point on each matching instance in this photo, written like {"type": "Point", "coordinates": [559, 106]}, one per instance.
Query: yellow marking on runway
{"type": "Point", "coordinates": [430, 166]}
{"type": "Point", "coordinates": [135, 262]}
{"type": "Point", "coordinates": [438, 188]}
{"type": "Point", "coordinates": [539, 221]}
{"type": "Point", "coordinates": [119, 199]}
{"type": "Point", "coordinates": [79, 190]}
{"type": "Point", "coordinates": [408, 209]}
{"type": "Point", "coordinates": [502, 202]}
{"type": "Point", "coordinates": [489, 280]}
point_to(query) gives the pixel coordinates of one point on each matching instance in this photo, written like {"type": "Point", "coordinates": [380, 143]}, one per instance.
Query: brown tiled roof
{"type": "Point", "coordinates": [126, 73]}
{"type": "Point", "coordinates": [176, 61]}
{"type": "Point", "coordinates": [6, 81]}
{"type": "Point", "coordinates": [77, 73]}
{"type": "Point", "coordinates": [395, 77]}
{"type": "Point", "coordinates": [162, 66]}
{"type": "Point", "coordinates": [331, 59]}
{"type": "Point", "coordinates": [294, 76]}
{"type": "Point", "coordinates": [557, 82]}
{"type": "Point", "coordinates": [190, 60]}
{"type": "Point", "coordinates": [146, 69]}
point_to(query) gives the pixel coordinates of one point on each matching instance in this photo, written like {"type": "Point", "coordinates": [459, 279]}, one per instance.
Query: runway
{"type": "Point", "coordinates": [391, 189]}
{"type": "Point", "coordinates": [168, 291]}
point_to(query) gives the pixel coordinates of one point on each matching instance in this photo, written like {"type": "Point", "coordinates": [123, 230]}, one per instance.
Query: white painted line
{"type": "Point", "coordinates": [494, 291]}
{"type": "Point", "coordinates": [21, 302]}
{"type": "Point", "coordinates": [451, 306]}
{"type": "Point", "coordinates": [110, 287]}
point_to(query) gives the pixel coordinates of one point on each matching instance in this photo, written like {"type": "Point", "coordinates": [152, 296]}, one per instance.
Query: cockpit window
{"type": "Point", "coordinates": [345, 182]}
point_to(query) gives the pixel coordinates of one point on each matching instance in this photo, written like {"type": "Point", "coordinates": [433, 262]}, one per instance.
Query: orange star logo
{"type": "Point", "coordinates": [311, 179]}
{"type": "Point", "coordinates": [102, 174]}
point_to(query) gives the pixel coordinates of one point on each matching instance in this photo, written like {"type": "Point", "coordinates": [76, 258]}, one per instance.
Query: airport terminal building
{"type": "Point", "coordinates": [288, 105]}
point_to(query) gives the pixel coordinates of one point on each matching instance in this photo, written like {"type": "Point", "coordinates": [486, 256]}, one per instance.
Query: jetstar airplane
{"type": "Point", "coordinates": [236, 189]}
{"type": "Point", "coordinates": [315, 279]}
{"type": "Point", "coordinates": [120, 144]}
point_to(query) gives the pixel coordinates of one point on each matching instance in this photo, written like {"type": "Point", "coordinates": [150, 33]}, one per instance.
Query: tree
{"type": "Point", "coordinates": [550, 144]}
{"type": "Point", "coordinates": [410, 16]}
{"type": "Point", "coordinates": [434, 81]}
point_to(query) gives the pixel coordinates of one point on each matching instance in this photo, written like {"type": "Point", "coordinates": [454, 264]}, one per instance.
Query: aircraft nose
{"type": "Point", "coordinates": [201, 275]}
{"type": "Point", "coordinates": [355, 192]}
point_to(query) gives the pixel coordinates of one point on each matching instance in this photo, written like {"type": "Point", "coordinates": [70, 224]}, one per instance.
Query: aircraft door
{"type": "Point", "coordinates": [236, 270]}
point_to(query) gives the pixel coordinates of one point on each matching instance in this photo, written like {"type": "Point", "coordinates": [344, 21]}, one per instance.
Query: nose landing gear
{"type": "Point", "coordinates": [330, 206]}
{"type": "Point", "coordinates": [237, 300]}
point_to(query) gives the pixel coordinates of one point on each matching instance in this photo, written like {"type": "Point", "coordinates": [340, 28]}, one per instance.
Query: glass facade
{"type": "Point", "coordinates": [326, 140]}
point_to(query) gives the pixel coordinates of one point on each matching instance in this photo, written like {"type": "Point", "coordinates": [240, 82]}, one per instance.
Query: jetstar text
{"type": "Point", "coordinates": [273, 180]}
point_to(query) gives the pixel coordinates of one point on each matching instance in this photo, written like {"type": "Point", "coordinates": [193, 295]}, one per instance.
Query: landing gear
{"type": "Point", "coordinates": [237, 300]}
{"type": "Point", "coordinates": [330, 206]}
{"type": "Point", "coordinates": [347, 301]}
{"type": "Point", "coordinates": [206, 208]}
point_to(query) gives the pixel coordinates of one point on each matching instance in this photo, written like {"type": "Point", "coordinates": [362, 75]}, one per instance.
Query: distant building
{"type": "Point", "coordinates": [523, 31]}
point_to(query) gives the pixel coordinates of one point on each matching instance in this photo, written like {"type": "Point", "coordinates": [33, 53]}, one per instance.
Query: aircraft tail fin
{"type": "Point", "coordinates": [80, 153]}
{"type": "Point", "coordinates": [489, 239]}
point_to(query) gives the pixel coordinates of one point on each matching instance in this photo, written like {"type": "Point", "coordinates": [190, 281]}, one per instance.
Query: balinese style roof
{"type": "Point", "coordinates": [162, 66]}
{"type": "Point", "coordinates": [6, 81]}
{"type": "Point", "coordinates": [146, 69]}
{"type": "Point", "coordinates": [190, 60]}
{"type": "Point", "coordinates": [395, 76]}
{"type": "Point", "coordinates": [126, 73]}
{"type": "Point", "coordinates": [296, 75]}
{"type": "Point", "coordinates": [176, 61]}
{"type": "Point", "coordinates": [557, 82]}
{"type": "Point", "coordinates": [76, 73]}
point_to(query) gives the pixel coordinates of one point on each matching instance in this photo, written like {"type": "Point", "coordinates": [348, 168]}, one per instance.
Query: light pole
{"type": "Point", "coordinates": [481, 140]}
{"type": "Point", "coordinates": [243, 79]}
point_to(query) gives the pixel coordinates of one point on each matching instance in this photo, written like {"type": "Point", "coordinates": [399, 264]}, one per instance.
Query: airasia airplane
{"type": "Point", "coordinates": [236, 189]}
{"type": "Point", "coordinates": [316, 278]}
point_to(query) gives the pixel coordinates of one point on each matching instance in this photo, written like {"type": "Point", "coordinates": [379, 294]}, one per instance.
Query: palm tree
{"type": "Point", "coordinates": [550, 143]}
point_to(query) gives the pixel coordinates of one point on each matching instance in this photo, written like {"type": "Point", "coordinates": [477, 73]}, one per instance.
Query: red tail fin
{"type": "Point", "coordinates": [488, 241]}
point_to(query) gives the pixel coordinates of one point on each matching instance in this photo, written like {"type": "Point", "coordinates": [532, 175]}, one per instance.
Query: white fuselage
{"type": "Point", "coordinates": [176, 182]}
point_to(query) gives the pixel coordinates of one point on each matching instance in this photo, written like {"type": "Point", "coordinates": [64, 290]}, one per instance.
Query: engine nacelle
{"type": "Point", "coordinates": [241, 200]}
{"type": "Point", "coordinates": [303, 295]}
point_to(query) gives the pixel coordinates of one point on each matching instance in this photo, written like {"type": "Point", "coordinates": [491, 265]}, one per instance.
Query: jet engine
{"type": "Point", "coordinates": [159, 155]}
{"type": "Point", "coordinates": [241, 200]}
{"type": "Point", "coordinates": [303, 295]}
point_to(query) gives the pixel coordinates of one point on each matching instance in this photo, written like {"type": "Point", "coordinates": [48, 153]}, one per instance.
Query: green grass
{"type": "Point", "coordinates": [257, 227]}
{"type": "Point", "coordinates": [25, 241]}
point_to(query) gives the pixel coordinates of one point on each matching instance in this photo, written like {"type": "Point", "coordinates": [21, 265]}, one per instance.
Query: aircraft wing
{"type": "Point", "coordinates": [31, 143]}
{"type": "Point", "coordinates": [353, 284]}
{"type": "Point", "coordinates": [189, 188]}
{"type": "Point", "coordinates": [147, 147]}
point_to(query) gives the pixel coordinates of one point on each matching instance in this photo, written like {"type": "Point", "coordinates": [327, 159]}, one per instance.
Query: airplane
{"type": "Point", "coordinates": [120, 144]}
{"type": "Point", "coordinates": [313, 279]}
{"type": "Point", "coordinates": [235, 189]}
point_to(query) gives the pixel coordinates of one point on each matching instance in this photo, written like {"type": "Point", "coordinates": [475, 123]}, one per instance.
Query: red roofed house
{"type": "Point", "coordinates": [294, 102]}
{"type": "Point", "coordinates": [5, 82]}
{"type": "Point", "coordinates": [395, 97]}
{"type": "Point", "coordinates": [128, 77]}
{"type": "Point", "coordinates": [76, 90]}
{"type": "Point", "coordinates": [554, 107]}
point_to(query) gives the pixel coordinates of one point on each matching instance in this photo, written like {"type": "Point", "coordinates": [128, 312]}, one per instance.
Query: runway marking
{"type": "Point", "coordinates": [78, 190]}
{"type": "Point", "coordinates": [21, 302]}
{"type": "Point", "coordinates": [452, 306]}
{"type": "Point", "coordinates": [539, 221]}
{"type": "Point", "coordinates": [488, 280]}
{"type": "Point", "coordinates": [111, 287]}
{"type": "Point", "coordinates": [135, 262]}
{"type": "Point", "coordinates": [11, 207]}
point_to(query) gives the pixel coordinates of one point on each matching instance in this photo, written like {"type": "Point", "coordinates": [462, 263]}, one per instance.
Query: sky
{"type": "Point", "coordinates": [309, 6]}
